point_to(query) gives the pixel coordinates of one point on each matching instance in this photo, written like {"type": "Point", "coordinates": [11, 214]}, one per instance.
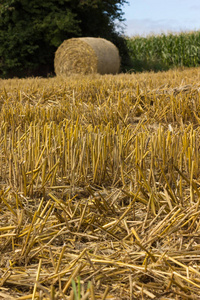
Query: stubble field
{"type": "Point", "coordinates": [99, 187]}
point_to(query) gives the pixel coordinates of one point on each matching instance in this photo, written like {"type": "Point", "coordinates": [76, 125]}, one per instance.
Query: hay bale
{"type": "Point", "coordinates": [85, 56]}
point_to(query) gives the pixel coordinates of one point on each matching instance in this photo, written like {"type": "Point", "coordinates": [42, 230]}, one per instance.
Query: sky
{"type": "Point", "coordinates": [144, 17]}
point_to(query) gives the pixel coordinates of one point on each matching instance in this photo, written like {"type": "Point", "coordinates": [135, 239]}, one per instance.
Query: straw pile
{"type": "Point", "coordinates": [86, 56]}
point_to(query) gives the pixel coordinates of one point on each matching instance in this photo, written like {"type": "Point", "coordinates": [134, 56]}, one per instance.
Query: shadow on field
{"type": "Point", "coordinates": [136, 65]}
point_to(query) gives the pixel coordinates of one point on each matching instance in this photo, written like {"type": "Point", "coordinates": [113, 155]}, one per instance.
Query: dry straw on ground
{"type": "Point", "coordinates": [99, 187]}
{"type": "Point", "coordinates": [87, 55]}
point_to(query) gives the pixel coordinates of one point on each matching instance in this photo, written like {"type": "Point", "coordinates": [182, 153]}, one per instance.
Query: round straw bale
{"type": "Point", "coordinates": [85, 56]}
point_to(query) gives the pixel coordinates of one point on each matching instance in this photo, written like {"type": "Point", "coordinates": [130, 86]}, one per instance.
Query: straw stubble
{"type": "Point", "coordinates": [95, 197]}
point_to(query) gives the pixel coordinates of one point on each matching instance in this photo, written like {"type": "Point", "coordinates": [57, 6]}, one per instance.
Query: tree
{"type": "Point", "coordinates": [31, 30]}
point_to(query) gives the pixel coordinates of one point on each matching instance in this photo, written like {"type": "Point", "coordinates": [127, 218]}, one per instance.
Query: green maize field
{"type": "Point", "coordinates": [164, 51]}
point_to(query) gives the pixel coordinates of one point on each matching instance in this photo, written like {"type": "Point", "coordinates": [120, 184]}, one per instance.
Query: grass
{"type": "Point", "coordinates": [99, 187]}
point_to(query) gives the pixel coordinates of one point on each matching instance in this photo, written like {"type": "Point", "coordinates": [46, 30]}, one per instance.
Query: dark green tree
{"type": "Point", "coordinates": [31, 30]}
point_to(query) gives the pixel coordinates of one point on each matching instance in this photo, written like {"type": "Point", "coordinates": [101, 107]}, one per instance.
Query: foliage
{"type": "Point", "coordinates": [165, 51]}
{"type": "Point", "coordinates": [31, 31]}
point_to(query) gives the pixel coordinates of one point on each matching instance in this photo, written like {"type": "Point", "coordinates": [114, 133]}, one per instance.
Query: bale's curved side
{"type": "Point", "coordinates": [86, 56]}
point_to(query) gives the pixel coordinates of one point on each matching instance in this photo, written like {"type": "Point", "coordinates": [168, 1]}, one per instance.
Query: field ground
{"type": "Point", "coordinates": [99, 187]}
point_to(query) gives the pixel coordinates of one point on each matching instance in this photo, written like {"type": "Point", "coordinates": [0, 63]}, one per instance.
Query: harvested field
{"type": "Point", "coordinates": [99, 187]}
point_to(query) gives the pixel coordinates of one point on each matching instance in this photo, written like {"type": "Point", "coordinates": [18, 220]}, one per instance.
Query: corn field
{"type": "Point", "coordinates": [165, 51]}
{"type": "Point", "coordinates": [99, 187]}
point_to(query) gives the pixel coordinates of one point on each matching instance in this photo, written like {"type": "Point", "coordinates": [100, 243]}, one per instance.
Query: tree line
{"type": "Point", "coordinates": [32, 30]}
